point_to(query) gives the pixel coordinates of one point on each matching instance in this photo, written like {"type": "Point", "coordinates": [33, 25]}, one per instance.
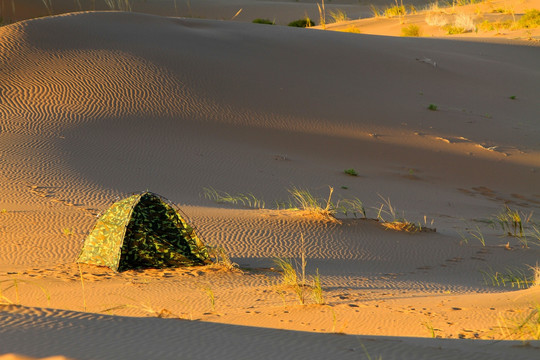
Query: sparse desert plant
{"type": "Point", "coordinates": [368, 356]}
{"type": "Point", "coordinates": [436, 19]}
{"type": "Point", "coordinates": [529, 20]}
{"type": "Point", "coordinates": [351, 172]}
{"type": "Point", "coordinates": [513, 97]}
{"type": "Point", "coordinates": [396, 222]}
{"type": "Point", "coordinates": [397, 10]}
{"type": "Point", "coordinates": [303, 23]}
{"type": "Point", "coordinates": [453, 30]}
{"type": "Point", "coordinates": [352, 29]}
{"type": "Point", "coordinates": [376, 11]}
{"type": "Point", "coordinates": [338, 15]}
{"type": "Point", "coordinates": [263, 21]}
{"type": "Point", "coordinates": [432, 107]}
{"type": "Point", "coordinates": [15, 284]}
{"type": "Point", "coordinates": [247, 200]}
{"type": "Point", "coordinates": [221, 258]}
{"type": "Point", "coordinates": [48, 6]}
{"type": "Point", "coordinates": [411, 30]}
{"type": "Point", "coordinates": [322, 14]}
{"type": "Point", "coordinates": [305, 201]}
{"type": "Point", "coordinates": [513, 221]}
{"type": "Point", "coordinates": [289, 275]}
{"type": "Point", "coordinates": [145, 307]}
{"type": "Point", "coordinates": [82, 286]}
{"type": "Point", "coordinates": [524, 328]}
{"type": "Point", "coordinates": [464, 21]}
{"type": "Point", "coordinates": [317, 291]}
{"type": "Point", "coordinates": [514, 277]}
{"type": "Point", "coordinates": [351, 206]}
{"type": "Point", "coordinates": [121, 5]}
{"type": "Point", "coordinates": [429, 327]}
{"type": "Point", "coordinates": [476, 233]}
{"type": "Point", "coordinates": [211, 296]}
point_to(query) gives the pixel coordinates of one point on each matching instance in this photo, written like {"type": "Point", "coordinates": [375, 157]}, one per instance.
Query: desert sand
{"type": "Point", "coordinates": [97, 105]}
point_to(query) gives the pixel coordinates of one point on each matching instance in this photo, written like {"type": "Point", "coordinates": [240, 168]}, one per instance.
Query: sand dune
{"type": "Point", "coordinates": [96, 105]}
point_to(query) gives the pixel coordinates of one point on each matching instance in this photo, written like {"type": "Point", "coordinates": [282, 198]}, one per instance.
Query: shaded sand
{"type": "Point", "coordinates": [96, 105]}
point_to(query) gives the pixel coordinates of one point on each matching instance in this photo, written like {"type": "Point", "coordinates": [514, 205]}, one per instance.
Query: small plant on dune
{"type": "Point", "coordinates": [396, 222]}
{"type": "Point", "coordinates": [529, 20]}
{"type": "Point", "coordinates": [317, 291]}
{"type": "Point", "coordinates": [352, 29]}
{"type": "Point", "coordinates": [465, 21]}
{"type": "Point", "coordinates": [432, 107]}
{"type": "Point", "coordinates": [303, 23]}
{"type": "Point", "coordinates": [304, 200]}
{"type": "Point", "coordinates": [338, 15]}
{"type": "Point", "coordinates": [397, 10]}
{"type": "Point", "coordinates": [351, 206]}
{"type": "Point", "coordinates": [247, 200]}
{"type": "Point", "coordinates": [263, 21]}
{"type": "Point", "coordinates": [436, 19]}
{"type": "Point", "coordinates": [476, 233]}
{"type": "Point", "coordinates": [514, 277]}
{"type": "Point", "coordinates": [211, 296]}
{"type": "Point", "coordinates": [121, 5]}
{"type": "Point", "coordinates": [291, 278]}
{"type": "Point", "coordinates": [322, 14]}
{"type": "Point", "coordinates": [48, 6]}
{"type": "Point", "coordinates": [411, 30]}
{"type": "Point", "coordinates": [453, 30]}
{"type": "Point", "coordinates": [82, 287]}
{"type": "Point", "coordinates": [524, 328]}
{"type": "Point", "coordinates": [376, 11]}
{"type": "Point", "coordinates": [221, 258]}
{"type": "Point", "coordinates": [15, 285]}
{"type": "Point", "coordinates": [429, 326]}
{"type": "Point", "coordinates": [351, 172]}
{"type": "Point", "coordinates": [514, 223]}
{"type": "Point", "coordinates": [145, 307]}
{"type": "Point", "coordinates": [368, 356]}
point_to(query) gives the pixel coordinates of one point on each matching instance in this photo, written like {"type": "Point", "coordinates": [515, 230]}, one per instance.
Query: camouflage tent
{"type": "Point", "coordinates": [142, 231]}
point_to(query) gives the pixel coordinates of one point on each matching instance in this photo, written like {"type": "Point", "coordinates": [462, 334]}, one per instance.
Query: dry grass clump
{"type": "Point", "coordinates": [339, 15]}
{"type": "Point", "coordinates": [436, 19]}
{"type": "Point", "coordinates": [220, 258]}
{"type": "Point", "coordinates": [524, 328]}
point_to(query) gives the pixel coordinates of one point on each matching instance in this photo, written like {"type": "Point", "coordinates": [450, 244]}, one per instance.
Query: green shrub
{"type": "Point", "coordinates": [263, 21]}
{"type": "Point", "coordinates": [453, 30]}
{"type": "Point", "coordinates": [432, 107]}
{"type": "Point", "coordinates": [411, 30]}
{"type": "Point", "coordinates": [395, 11]}
{"type": "Point", "coordinates": [351, 172]}
{"type": "Point", "coordinates": [530, 19]}
{"type": "Point", "coordinates": [302, 23]}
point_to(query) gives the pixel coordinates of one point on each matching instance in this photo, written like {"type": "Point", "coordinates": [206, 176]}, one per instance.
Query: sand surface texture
{"type": "Point", "coordinates": [97, 105]}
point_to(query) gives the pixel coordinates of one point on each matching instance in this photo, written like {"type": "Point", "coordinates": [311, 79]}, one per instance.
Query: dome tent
{"type": "Point", "coordinates": [142, 231]}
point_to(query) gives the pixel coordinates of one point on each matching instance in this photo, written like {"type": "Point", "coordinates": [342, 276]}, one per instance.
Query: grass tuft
{"type": "Point", "coordinates": [410, 31]}
{"type": "Point", "coordinates": [524, 328]}
{"type": "Point", "coordinates": [303, 23]}
{"type": "Point", "coordinates": [263, 21]}
{"type": "Point", "coordinates": [247, 200]}
{"type": "Point", "coordinates": [338, 15]}
{"type": "Point", "coordinates": [432, 107]}
{"type": "Point", "coordinates": [529, 20]}
{"type": "Point", "coordinates": [351, 172]}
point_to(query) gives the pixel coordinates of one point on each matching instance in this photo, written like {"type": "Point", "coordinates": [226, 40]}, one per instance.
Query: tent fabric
{"type": "Point", "coordinates": [142, 231]}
